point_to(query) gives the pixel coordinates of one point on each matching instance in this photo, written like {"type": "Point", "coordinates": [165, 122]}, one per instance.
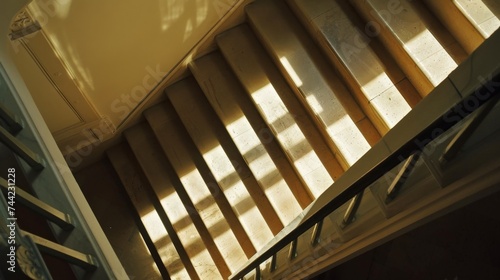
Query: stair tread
{"type": "Point", "coordinates": [227, 166]}
{"type": "Point", "coordinates": [350, 51]}
{"type": "Point", "coordinates": [174, 142]}
{"type": "Point", "coordinates": [274, 149]}
{"type": "Point", "coordinates": [193, 234]}
{"type": "Point", "coordinates": [137, 193]}
{"type": "Point", "coordinates": [457, 23]}
{"type": "Point", "coordinates": [417, 36]}
{"type": "Point", "coordinates": [316, 84]}
{"type": "Point", "coordinates": [484, 15]}
{"type": "Point", "coordinates": [278, 106]}
{"type": "Point", "coordinates": [220, 87]}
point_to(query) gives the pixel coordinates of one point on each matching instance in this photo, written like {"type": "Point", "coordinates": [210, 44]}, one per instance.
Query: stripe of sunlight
{"type": "Point", "coordinates": [418, 41]}
{"type": "Point", "coordinates": [384, 96]}
{"type": "Point", "coordinates": [153, 265]}
{"type": "Point", "coordinates": [238, 196]}
{"type": "Point", "coordinates": [482, 14]}
{"type": "Point", "coordinates": [342, 130]}
{"type": "Point", "coordinates": [163, 244]}
{"type": "Point", "coordinates": [261, 165]}
{"type": "Point", "coordinates": [187, 233]}
{"type": "Point", "coordinates": [288, 67]}
{"type": "Point", "coordinates": [353, 48]}
{"type": "Point", "coordinates": [304, 158]}
{"type": "Point", "coordinates": [212, 216]}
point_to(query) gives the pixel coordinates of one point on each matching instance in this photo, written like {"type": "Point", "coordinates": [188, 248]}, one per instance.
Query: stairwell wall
{"type": "Point", "coordinates": [54, 159]}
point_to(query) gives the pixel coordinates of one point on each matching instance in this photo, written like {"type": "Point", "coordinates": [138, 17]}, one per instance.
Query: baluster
{"type": "Point", "coordinates": [85, 261]}
{"type": "Point", "coordinates": [12, 122]}
{"type": "Point", "coordinates": [274, 263]}
{"type": "Point", "coordinates": [466, 131]}
{"type": "Point", "coordinates": [20, 149]}
{"type": "Point", "coordinates": [48, 212]}
{"type": "Point", "coordinates": [257, 273]}
{"type": "Point", "coordinates": [350, 214]}
{"type": "Point", "coordinates": [401, 177]}
{"type": "Point", "coordinates": [292, 254]}
{"type": "Point", "coordinates": [316, 236]}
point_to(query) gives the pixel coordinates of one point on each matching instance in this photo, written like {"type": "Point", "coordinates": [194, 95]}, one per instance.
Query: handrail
{"type": "Point", "coordinates": [350, 214]}
{"type": "Point", "coordinates": [83, 260]}
{"type": "Point", "coordinates": [451, 117]}
{"type": "Point", "coordinates": [12, 122]}
{"type": "Point", "coordinates": [55, 188]}
{"type": "Point", "coordinates": [21, 150]}
{"type": "Point", "coordinates": [400, 179]}
{"type": "Point", "coordinates": [50, 213]}
{"type": "Point", "coordinates": [26, 251]}
{"type": "Point", "coordinates": [467, 130]}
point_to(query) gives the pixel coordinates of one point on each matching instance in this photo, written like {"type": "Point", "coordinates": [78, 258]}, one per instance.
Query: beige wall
{"type": "Point", "coordinates": [119, 50]}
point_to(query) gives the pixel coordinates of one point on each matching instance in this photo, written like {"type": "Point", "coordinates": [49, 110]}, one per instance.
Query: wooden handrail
{"type": "Point", "coordinates": [83, 260]}
{"type": "Point", "coordinates": [400, 179]}
{"type": "Point", "coordinates": [445, 121]}
{"type": "Point", "coordinates": [350, 213]}
{"type": "Point", "coordinates": [12, 122]}
{"type": "Point", "coordinates": [50, 213]}
{"type": "Point", "coordinates": [467, 130]}
{"type": "Point", "coordinates": [20, 149]}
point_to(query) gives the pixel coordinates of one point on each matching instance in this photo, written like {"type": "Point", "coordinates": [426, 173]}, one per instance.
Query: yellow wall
{"type": "Point", "coordinates": [118, 50]}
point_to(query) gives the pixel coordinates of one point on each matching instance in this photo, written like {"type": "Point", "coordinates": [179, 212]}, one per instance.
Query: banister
{"type": "Point", "coordinates": [21, 150]}
{"type": "Point", "coordinates": [52, 214]}
{"type": "Point", "coordinates": [447, 119]}
{"type": "Point", "coordinates": [12, 122]}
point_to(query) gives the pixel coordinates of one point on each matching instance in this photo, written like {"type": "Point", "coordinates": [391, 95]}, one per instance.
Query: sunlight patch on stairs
{"type": "Point", "coordinates": [189, 236]}
{"type": "Point", "coordinates": [415, 35]}
{"type": "Point", "coordinates": [237, 195]}
{"type": "Point", "coordinates": [429, 54]}
{"type": "Point", "coordinates": [388, 97]}
{"type": "Point", "coordinates": [481, 14]}
{"type": "Point", "coordinates": [292, 138]}
{"type": "Point", "coordinates": [154, 225]}
{"type": "Point", "coordinates": [264, 170]}
{"type": "Point", "coordinates": [286, 64]}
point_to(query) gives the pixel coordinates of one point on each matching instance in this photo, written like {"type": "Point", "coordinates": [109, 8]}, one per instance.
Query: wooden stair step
{"type": "Point", "coordinates": [278, 106]}
{"type": "Point", "coordinates": [171, 251]}
{"type": "Point", "coordinates": [195, 237]}
{"type": "Point", "coordinates": [212, 207]}
{"type": "Point", "coordinates": [483, 14]}
{"type": "Point", "coordinates": [423, 48]}
{"type": "Point", "coordinates": [314, 81]}
{"type": "Point", "coordinates": [268, 140]}
{"type": "Point", "coordinates": [220, 88]}
{"type": "Point", "coordinates": [457, 23]}
{"type": "Point", "coordinates": [226, 164]}
{"type": "Point", "coordinates": [350, 52]}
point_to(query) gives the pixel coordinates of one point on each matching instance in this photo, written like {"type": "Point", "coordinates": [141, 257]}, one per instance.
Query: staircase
{"type": "Point", "coordinates": [288, 102]}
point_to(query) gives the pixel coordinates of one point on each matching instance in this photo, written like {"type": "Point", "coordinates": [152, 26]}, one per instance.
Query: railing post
{"type": "Point", "coordinates": [316, 236]}
{"type": "Point", "coordinates": [400, 179]}
{"type": "Point", "coordinates": [61, 219]}
{"type": "Point", "coordinates": [292, 254]}
{"type": "Point", "coordinates": [12, 122]}
{"type": "Point", "coordinates": [350, 214]}
{"type": "Point", "coordinates": [274, 263]}
{"type": "Point", "coordinates": [258, 275]}
{"type": "Point", "coordinates": [467, 130]}
{"type": "Point", "coordinates": [20, 149]}
{"type": "Point", "coordinates": [85, 261]}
